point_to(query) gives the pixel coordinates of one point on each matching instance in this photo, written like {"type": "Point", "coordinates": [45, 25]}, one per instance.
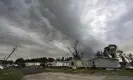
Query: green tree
{"type": "Point", "coordinates": [62, 59]}
{"type": "Point", "coordinates": [20, 62]}
{"type": "Point", "coordinates": [58, 59]}
{"type": "Point", "coordinates": [51, 59]}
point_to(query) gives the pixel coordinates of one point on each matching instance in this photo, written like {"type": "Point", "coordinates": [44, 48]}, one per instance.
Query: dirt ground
{"type": "Point", "coordinates": [64, 76]}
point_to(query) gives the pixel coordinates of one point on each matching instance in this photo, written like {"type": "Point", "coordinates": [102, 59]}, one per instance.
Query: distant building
{"type": "Point", "coordinates": [1, 66]}
{"type": "Point", "coordinates": [58, 64]}
{"type": "Point", "coordinates": [32, 64]}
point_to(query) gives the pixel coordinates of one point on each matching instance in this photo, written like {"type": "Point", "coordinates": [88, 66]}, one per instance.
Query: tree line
{"type": "Point", "coordinates": [41, 60]}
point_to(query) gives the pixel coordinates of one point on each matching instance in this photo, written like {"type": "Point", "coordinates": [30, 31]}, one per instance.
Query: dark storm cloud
{"type": "Point", "coordinates": [67, 20]}
{"type": "Point", "coordinates": [46, 28]}
{"type": "Point", "coordinates": [23, 25]}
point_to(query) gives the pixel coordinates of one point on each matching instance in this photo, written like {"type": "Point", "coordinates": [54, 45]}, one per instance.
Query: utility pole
{"type": "Point", "coordinates": [11, 53]}
{"type": "Point", "coordinates": [4, 58]}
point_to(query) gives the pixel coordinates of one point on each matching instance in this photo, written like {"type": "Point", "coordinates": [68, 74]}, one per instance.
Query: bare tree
{"type": "Point", "coordinates": [122, 55]}
{"type": "Point", "coordinates": [130, 56]}
{"type": "Point", "coordinates": [75, 50]}
{"type": "Point", "coordinates": [99, 54]}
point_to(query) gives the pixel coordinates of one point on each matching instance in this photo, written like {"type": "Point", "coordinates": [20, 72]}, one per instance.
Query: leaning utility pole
{"type": "Point", "coordinates": [4, 58]}
{"type": "Point", "coordinates": [11, 53]}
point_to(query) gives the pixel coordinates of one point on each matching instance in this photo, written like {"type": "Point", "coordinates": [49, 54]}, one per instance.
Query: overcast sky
{"type": "Point", "coordinates": [46, 27]}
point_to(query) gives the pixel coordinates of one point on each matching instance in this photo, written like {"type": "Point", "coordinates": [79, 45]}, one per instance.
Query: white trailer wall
{"type": "Point", "coordinates": [60, 63]}
{"type": "Point", "coordinates": [78, 63]}
{"type": "Point", "coordinates": [105, 63]}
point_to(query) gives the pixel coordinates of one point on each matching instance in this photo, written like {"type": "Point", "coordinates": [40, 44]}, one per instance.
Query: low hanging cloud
{"type": "Point", "coordinates": [46, 28]}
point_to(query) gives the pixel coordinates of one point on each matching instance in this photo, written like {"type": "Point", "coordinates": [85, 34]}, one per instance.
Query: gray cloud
{"type": "Point", "coordinates": [46, 28]}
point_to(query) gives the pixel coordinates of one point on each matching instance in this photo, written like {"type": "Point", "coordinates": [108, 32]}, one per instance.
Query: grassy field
{"type": "Point", "coordinates": [17, 74]}
{"type": "Point", "coordinates": [10, 75]}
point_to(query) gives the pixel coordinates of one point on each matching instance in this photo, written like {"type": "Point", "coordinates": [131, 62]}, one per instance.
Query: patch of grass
{"type": "Point", "coordinates": [10, 75]}
{"type": "Point", "coordinates": [125, 73]}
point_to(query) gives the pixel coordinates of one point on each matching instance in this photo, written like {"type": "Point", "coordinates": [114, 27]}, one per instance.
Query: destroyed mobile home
{"type": "Point", "coordinates": [104, 63]}
{"type": "Point", "coordinates": [111, 57]}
